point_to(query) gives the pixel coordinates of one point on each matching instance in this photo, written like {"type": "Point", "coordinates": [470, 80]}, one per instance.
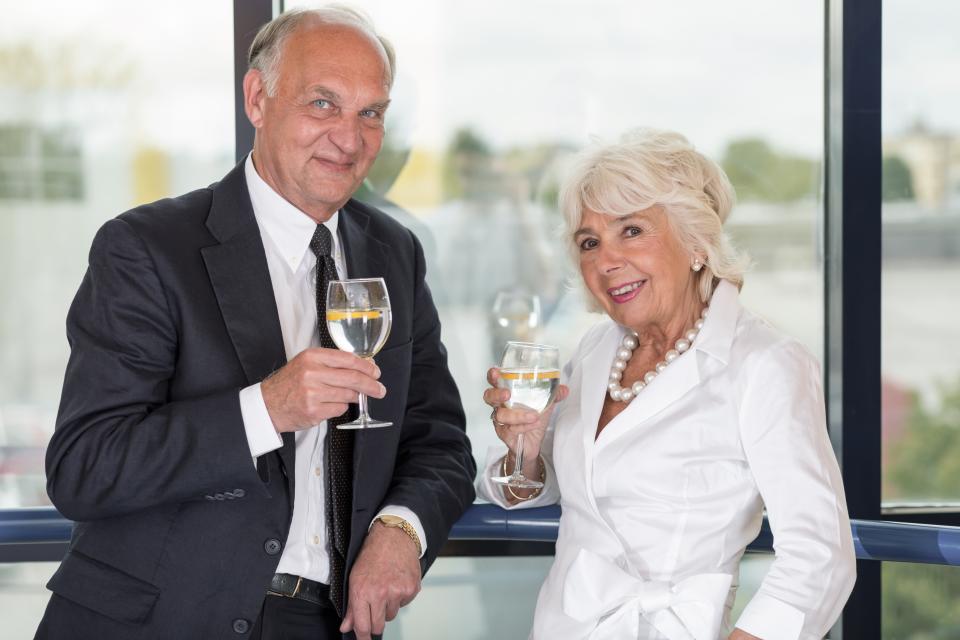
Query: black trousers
{"type": "Point", "coordinates": [283, 618]}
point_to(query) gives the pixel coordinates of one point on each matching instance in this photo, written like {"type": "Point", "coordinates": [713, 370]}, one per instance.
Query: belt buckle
{"type": "Point", "coordinates": [296, 589]}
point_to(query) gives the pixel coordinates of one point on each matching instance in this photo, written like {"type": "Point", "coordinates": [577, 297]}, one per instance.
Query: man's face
{"type": "Point", "coordinates": [319, 134]}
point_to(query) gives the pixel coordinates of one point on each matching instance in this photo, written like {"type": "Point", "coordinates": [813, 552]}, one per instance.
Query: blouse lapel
{"type": "Point", "coordinates": [594, 372]}
{"type": "Point", "coordinates": [668, 387]}
{"type": "Point", "coordinates": [711, 349]}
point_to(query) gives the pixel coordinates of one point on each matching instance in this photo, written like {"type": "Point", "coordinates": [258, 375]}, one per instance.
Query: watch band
{"type": "Point", "coordinates": [406, 527]}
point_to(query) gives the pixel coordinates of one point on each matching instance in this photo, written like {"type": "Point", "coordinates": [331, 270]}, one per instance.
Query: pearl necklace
{"type": "Point", "coordinates": [624, 353]}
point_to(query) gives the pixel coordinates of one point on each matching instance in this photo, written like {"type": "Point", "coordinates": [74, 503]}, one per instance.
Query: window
{"type": "Point", "coordinates": [921, 256]}
{"type": "Point", "coordinates": [921, 266]}
{"type": "Point", "coordinates": [98, 114]}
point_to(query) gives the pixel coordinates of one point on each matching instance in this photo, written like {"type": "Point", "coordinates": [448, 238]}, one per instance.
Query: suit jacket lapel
{"type": "Point", "coordinates": [241, 281]}
{"type": "Point", "coordinates": [366, 256]}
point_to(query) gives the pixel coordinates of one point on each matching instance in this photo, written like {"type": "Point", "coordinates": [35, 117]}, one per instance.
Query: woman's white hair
{"type": "Point", "coordinates": [647, 168]}
{"type": "Point", "coordinates": [267, 47]}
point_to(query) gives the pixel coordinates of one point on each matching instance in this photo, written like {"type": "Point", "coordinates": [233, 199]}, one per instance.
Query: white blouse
{"type": "Point", "coordinates": [658, 510]}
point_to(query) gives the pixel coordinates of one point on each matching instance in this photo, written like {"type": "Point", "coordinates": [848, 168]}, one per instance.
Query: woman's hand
{"type": "Point", "coordinates": [510, 422]}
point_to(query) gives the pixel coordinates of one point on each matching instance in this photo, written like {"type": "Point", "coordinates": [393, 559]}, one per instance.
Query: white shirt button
{"type": "Point", "coordinates": [317, 471]}
{"type": "Point", "coordinates": [316, 539]}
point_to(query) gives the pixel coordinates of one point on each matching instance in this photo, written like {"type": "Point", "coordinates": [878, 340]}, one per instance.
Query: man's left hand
{"type": "Point", "coordinates": [385, 577]}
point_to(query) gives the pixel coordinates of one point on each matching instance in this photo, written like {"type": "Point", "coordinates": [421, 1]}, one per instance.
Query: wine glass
{"type": "Point", "coordinates": [532, 374]}
{"type": "Point", "coordinates": [358, 319]}
{"type": "Point", "coordinates": [515, 316]}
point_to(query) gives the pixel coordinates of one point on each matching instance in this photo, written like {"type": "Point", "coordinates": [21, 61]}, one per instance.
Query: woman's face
{"type": "Point", "coordinates": [636, 268]}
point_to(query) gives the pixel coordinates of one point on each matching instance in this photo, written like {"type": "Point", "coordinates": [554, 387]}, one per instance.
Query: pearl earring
{"type": "Point", "coordinates": [697, 265]}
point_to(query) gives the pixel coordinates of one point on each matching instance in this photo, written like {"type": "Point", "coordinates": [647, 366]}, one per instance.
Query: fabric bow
{"type": "Point", "coordinates": [596, 588]}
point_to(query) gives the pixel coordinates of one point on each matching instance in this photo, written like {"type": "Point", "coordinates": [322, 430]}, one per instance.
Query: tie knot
{"type": "Point", "coordinates": [322, 241]}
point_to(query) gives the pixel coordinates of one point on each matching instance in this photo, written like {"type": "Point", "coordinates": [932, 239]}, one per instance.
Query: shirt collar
{"type": "Point", "coordinates": [289, 228]}
{"type": "Point", "coordinates": [720, 325]}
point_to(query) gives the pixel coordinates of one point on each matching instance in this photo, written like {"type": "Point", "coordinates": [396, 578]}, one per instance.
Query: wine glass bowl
{"type": "Point", "coordinates": [358, 320]}
{"type": "Point", "coordinates": [532, 374]}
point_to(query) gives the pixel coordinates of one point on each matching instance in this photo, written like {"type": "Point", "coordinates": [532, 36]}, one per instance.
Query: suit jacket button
{"type": "Point", "coordinates": [241, 626]}
{"type": "Point", "coordinates": [239, 493]}
{"type": "Point", "coordinates": [272, 546]}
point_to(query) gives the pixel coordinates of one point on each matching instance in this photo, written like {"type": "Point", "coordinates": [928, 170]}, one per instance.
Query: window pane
{"type": "Point", "coordinates": [920, 602]}
{"type": "Point", "coordinates": [490, 99]}
{"type": "Point", "coordinates": [23, 597]}
{"type": "Point", "coordinates": [99, 114]}
{"type": "Point", "coordinates": [921, 254]}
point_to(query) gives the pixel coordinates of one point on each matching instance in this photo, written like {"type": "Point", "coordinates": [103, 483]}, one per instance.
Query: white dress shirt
{"type": "Point", "coordinates": [658, 509]}
{"type": "Point", "coordinates": [286, 232]}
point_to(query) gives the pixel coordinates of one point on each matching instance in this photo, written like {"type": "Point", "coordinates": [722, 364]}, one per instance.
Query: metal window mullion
{"type": "Point", "coordinates": [248, 17]}
{"type": "Point", "coordinates": [852, 273]}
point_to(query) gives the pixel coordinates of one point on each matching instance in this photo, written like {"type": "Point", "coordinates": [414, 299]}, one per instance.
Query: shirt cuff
{"type": "Point", "coordinates": [771, 619]}
{"type": "Point", "coordinates": [409, 516]}
{"type": "Point", "coordinates": [262, 437]}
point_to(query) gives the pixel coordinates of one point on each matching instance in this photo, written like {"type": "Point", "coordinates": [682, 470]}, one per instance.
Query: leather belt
{"type": "Point", "coordinates": [290, 586]}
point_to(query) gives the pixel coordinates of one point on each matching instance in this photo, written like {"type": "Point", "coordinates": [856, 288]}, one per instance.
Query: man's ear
{"type": "Point", "coordinates": [254, 96]}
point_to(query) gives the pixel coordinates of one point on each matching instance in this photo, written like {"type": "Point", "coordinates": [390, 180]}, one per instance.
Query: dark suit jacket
{"type": "Point", "coordinates": [177, 533]}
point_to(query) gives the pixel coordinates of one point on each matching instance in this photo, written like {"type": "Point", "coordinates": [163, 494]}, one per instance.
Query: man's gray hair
{"type": "Point", "coordinates": [267, 46]}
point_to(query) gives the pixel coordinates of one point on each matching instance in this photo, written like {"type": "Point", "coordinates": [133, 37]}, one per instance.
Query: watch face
{"type": "Point", "coordinates": [391, 520]}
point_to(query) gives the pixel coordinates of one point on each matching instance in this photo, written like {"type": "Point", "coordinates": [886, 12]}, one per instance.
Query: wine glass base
{"type": "Point", "coordinates": [364, 424]}
{"type": "Point", "coordinates": [517, 482]}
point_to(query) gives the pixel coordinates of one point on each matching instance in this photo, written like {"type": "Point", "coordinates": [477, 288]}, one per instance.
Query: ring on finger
{"type": "Point", "coordinates": [493, 417]}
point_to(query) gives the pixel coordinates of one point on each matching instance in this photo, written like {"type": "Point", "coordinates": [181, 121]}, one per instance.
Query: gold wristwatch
{"type": "Point", "coordinates": [398, 522]}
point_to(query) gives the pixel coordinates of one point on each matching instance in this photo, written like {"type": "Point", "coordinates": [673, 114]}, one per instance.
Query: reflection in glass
{"type": "Point", "coordinates": [515, 316]}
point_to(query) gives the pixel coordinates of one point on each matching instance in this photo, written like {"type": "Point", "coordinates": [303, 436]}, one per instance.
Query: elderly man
{"type": "Point", "coordinates": [196, 445]}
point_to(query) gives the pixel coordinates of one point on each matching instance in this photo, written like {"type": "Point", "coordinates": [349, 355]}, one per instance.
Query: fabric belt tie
{"type": "Point", "coordinates": [290, 586]}
{"type": "Point", "coordinates": [598, 589]}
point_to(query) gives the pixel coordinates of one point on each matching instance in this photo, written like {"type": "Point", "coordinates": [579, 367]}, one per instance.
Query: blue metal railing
{"type": "Point", "coordinates": [881, 541]}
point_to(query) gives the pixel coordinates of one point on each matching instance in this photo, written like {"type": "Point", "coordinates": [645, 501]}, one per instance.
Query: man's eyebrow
{"type": "Point", "coordinates": [380, 106]}
{"type": "Point", "coordinates": [325, 93]}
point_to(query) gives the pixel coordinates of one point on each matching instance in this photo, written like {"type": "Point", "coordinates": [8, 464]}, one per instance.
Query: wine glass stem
{"type": "Point", "coordinates": [518, 458]}
{"type": "Point", "coordinates": [362, 403]}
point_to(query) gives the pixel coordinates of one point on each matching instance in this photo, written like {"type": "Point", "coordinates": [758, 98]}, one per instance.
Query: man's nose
{"type": "Point", "coordinates": [345, 133]}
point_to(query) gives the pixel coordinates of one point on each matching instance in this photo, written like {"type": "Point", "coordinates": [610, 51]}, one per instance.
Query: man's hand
{"type": "Point", "coordinates": [385, 577]}
{"type": "Point", "coordinates": [317, 384]}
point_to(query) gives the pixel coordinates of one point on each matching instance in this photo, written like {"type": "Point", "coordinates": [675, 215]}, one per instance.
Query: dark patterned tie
{"type": "Point", "coordinates": [339, 458]}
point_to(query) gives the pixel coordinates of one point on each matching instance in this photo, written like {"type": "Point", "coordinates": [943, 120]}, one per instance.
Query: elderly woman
{"type": "Point", "coordinates": [683, 416]}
